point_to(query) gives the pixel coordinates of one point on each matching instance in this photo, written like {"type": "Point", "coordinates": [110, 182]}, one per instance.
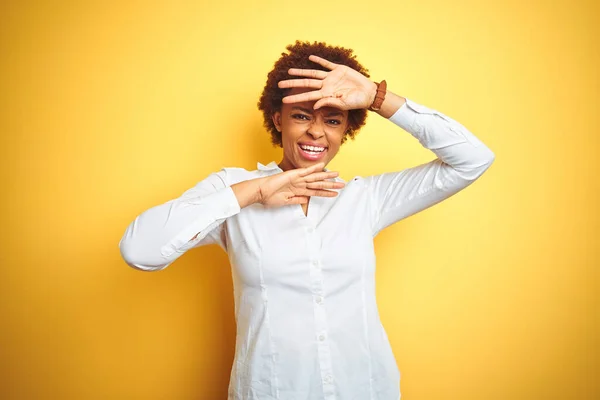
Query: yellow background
{"type": "Point", "coordinates": [109, 108]}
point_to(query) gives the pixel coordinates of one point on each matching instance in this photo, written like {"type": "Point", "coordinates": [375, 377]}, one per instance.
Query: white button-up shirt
{"type": "Point", "coordinates": [308, 326]}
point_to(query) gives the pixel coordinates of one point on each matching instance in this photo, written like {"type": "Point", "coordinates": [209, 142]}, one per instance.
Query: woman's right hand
{"type": "Point", "coordinates": [295, 186]}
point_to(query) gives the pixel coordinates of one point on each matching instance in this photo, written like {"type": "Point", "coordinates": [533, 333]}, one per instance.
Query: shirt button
{"type": "Point", "coordinates": [328, 378]}
{"type": "Point", "coordinates": [321, 337]}
{"type": "Point", "coordinates": [315, 263]}
{"type": "Point", "coordinates": [310, 230]}
{"type": "Point", "coordinates": [319, 299]}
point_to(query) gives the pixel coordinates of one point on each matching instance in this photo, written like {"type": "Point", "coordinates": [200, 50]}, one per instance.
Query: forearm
{"type": "Point", "coordinates": [451, 141]}
{"type": "Point", "coordinates": [246, 193]}
{"type": "Point", "coordinates": [159, 235]}
{"type": "Point", "coordinates": [391, 104]}
{"type": "Point", "coordinates": [461, 159]}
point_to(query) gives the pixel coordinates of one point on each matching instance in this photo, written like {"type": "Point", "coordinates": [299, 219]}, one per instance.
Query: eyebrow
{"type": "Point", "coordinates": [308, 111]}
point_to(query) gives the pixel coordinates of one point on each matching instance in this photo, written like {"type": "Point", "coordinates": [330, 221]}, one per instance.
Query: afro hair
{"type": "Point", "coordinates": [270, 99]}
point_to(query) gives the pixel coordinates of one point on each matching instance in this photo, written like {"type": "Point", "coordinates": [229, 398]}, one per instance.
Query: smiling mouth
{"type": "Point", "coordinates": [313, 149]}
{"type": "Point", "coordinates": [312, 152]}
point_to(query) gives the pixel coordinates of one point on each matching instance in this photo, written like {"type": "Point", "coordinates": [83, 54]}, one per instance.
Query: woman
{"type": "Point", "coordinates": [300, 240]}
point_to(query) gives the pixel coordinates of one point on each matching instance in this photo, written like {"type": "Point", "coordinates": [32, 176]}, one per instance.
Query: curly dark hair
{"type": "Point", "coordinates": [270, 99]}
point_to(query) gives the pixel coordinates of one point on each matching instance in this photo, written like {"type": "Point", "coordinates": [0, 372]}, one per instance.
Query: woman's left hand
{"type": "Point", "coordinates": [342, 87]}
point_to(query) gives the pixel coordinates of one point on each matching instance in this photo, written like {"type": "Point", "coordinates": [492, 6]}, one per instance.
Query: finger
{"type": "Point", "coordinates": [309, 83]}
{"type": "Point", "coordinates": [306, 96]}
{"type": "Point", "coordinates": [322, 61]}
{"type": "Point", "coordinates": [311, 73]}
{"type": "Point", "coordinates": [297, 200]}
{"type": "Point", "coordinates": [313, 168]}
{"type": "Point", "coordinates": [320, 193]}
{"type": "Point", "coordinates": [325, 185]}
{"type": "Point", "coordinates": [329, 102]}
{"type": "Point", "coordinates": [320, 176]}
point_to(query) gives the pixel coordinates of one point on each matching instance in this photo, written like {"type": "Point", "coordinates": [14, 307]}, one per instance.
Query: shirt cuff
{"type": "Point", "coordinates": [405, 116]}
{"type": "Point", "coordinates": [214, 208]}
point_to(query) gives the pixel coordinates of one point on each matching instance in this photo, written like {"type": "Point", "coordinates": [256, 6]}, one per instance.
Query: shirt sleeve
{"type": "Point", "coordinates": [461, 159]}
{"type": "Point", "coordinates": [161, 234]}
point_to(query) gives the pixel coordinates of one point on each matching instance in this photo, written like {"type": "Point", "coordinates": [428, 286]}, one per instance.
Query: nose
{"type": "Point", "coordinates": [316, 129]}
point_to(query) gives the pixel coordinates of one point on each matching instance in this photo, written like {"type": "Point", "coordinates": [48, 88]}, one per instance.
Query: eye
{"type": "Point", "coordinates": [306, 118]}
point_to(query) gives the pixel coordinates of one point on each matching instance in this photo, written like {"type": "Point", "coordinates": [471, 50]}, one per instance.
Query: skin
{"type": "Point", "coordinates": [324, 92]}
{"type": "Point", "coordinates": [325, 126]}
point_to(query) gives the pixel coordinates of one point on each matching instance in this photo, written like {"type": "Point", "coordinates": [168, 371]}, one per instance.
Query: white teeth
{"type": "Point", "coordinates": [312, 148]}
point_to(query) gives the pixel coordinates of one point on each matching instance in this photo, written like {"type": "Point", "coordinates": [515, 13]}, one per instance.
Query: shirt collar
{"type": "Point", "coordinates": [272, 166]}
{"type": "Point", "coordinates": [269, 167]}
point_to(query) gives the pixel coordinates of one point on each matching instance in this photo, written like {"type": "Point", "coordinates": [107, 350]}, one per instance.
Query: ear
{"type": "Point", "coordinates": [277, 120]}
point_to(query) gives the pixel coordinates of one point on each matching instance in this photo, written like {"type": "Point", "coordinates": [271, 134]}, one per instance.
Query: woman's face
{"type": "Point", "coordinates": [301, 126]}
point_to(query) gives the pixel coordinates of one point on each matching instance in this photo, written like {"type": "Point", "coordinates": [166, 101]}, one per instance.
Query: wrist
{"type": "Point", "coordinates": [247, 192]}
{"type": "Point", "coordinates": [258, 194]}
{"type": "Point", "coordinates": [372, 93]}
{"type": "Point", "coordinates": [379, 96]}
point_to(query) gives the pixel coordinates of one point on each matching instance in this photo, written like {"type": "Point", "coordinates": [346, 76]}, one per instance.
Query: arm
{"type": "Point", "coordinates": [461, 159]}
{"type": "Point", "coordinates": [161, 234]}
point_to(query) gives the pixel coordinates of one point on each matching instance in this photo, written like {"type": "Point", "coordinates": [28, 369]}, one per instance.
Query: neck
{"type": "Point", "coordinates": [285, 165]}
